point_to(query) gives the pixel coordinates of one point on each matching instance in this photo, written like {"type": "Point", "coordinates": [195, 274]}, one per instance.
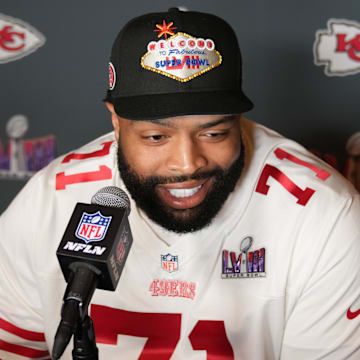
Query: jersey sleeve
{"type": "Point", "coordinates": [21, 323]}
{"type": "Point", "coordinates": [323, 316]}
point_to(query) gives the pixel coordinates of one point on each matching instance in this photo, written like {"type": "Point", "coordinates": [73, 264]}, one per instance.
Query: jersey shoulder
{"type": "Point", "coordinates": [282, 171]}
{"type": "Point", "coordinates": [82, 170]}
{"type": "Point", "coordinates": [70, 178]}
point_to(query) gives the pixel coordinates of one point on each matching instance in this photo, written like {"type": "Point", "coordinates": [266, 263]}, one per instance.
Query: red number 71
{"type": "Point", "coordinates": [303, 196]}
{"type": "Point", "coordinates": [162, 332]}
{"type": "Point", "coordinates": [104, 172]}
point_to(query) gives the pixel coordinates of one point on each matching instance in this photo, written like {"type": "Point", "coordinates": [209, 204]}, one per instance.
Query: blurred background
{"type": "Point", "coordinates": [303, 81]}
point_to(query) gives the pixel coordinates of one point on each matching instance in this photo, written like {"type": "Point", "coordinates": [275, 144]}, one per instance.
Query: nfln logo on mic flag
{"type": "Point", "coordinates": [93, 227]}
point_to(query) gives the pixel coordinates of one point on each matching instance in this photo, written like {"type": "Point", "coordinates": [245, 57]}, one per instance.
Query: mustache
{"type": "Point", "coordinates": [154, 180]}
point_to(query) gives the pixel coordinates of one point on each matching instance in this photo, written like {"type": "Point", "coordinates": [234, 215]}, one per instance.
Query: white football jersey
{"type": "Point", "coordinates": [275, 276]}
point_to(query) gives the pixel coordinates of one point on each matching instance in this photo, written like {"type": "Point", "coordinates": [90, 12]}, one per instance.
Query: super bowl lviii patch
{"type": "Point", "coordinates": [181, 57]}
{"type": "Point", "coordinates": [248, 264]}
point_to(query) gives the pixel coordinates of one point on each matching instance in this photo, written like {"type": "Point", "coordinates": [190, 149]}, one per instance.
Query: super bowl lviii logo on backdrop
{"type": "Point", "coordinates": [21, 158]}
{"type": "Point", "coordinates": [338, 48]}
{"type": "Point", "coordinates": [17, 39]}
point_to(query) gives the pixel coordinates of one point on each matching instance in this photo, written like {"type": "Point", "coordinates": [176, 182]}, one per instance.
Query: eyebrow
{"type": "Point", "coordinates": [168, 124]}
{"type": "Point", "coordinates": [225, 119]}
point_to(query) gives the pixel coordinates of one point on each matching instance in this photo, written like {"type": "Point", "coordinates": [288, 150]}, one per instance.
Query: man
{"type": "Point", "coordinates": [245, 246]}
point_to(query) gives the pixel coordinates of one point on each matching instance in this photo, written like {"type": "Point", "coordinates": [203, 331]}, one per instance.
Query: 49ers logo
{"type": "Point", "coordinates": [338, 48]}
{"type": "Point", "coordinates": [17, 39]}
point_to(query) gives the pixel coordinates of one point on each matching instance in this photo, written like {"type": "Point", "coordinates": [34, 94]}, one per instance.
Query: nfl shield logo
{"type": "Point", "coordinates": [92, 227]}
{"type": "Point", "coordinates": [169, 263]}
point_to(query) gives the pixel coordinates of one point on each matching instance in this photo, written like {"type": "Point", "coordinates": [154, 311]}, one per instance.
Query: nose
{"type": "Point", "coordinates": [186, 157]}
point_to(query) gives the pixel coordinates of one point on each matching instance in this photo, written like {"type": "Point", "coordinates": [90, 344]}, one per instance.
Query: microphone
{"type": "Point", "coordinates": [92, 254]}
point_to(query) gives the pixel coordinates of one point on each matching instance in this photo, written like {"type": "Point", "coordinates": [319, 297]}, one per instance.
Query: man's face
{"type": "Point", "coordinates": [179, 170]}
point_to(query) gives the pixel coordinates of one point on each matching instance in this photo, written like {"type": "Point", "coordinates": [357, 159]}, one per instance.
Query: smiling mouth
{"type": "Point", "coordinates": [178, 196]}
{"type": "Point", "coordinates": [182, 193]}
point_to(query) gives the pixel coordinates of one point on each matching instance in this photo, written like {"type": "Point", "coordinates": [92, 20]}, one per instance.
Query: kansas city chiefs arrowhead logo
{"type": "Point", "coordinates": [338, 48]}
{"type": "Point", "coordinates": [17, 39]}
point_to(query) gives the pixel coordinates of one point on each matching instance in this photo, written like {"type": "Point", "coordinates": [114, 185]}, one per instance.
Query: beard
{"type": "Point", "coordinates": [143, 191]}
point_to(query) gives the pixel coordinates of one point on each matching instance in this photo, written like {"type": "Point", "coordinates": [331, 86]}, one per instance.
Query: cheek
{"type": "Point", "coordinates": [224, 154]}
{"type": "Point", "coordinates": [234, 148]}
{"type": "Point", "coordinates": [234, 152]}
{"type": "Point", "coordinates": [228, 157]}
{"type": "Point", "coordinates": [141, 159]}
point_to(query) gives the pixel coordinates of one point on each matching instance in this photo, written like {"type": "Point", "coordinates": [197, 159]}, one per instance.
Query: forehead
{"type": "Point", "coordinates": [188, 121]}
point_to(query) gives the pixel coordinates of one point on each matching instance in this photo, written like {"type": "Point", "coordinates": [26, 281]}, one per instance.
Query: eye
{"type": "Point", "coordinates": [154, 139]}
{"type": "Point", "coordinates": [215, 135]}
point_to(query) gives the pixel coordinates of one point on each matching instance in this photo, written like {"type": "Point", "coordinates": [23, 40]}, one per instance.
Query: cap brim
{"type": "Point", "coordinates": [159, 106]}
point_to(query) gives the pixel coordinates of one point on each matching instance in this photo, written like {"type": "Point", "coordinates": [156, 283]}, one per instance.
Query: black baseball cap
{"type": "Point", "coordinates": [176, 63]}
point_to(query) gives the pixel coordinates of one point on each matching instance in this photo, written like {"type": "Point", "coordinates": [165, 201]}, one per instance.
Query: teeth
{"type": "Point", "coordinates": [181, 193]}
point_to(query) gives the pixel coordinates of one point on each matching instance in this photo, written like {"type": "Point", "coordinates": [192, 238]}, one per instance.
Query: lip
{"type": "Point", "coordinates": [185, 185]}
{"type": "Point", "coordinates": [185, 202]}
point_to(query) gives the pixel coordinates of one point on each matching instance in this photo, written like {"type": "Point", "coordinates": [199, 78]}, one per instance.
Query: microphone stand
{"type": "Point", "coordinates": [74, 314]}
{"type": "Point", "coordinates": [84, 341]}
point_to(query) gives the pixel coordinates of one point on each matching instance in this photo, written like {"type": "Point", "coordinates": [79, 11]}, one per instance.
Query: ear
{"type": "Point", "coordinates": [114, 119]}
